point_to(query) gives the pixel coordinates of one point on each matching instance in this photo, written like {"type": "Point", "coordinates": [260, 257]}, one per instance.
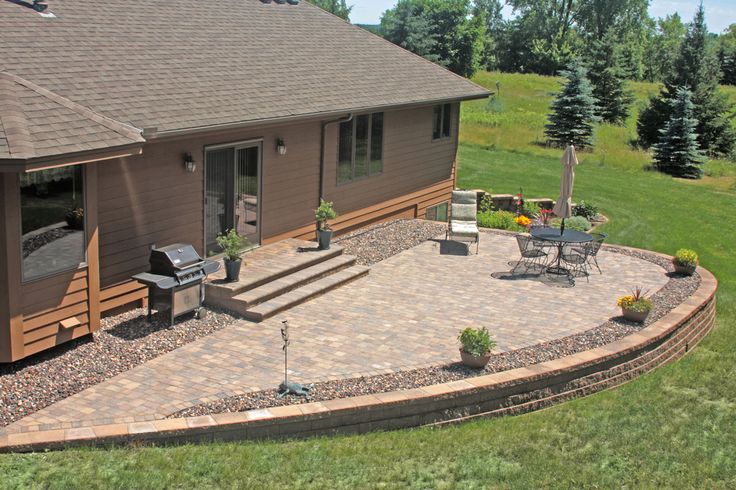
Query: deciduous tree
{"type": "Point", "coordinates": [337, 7]}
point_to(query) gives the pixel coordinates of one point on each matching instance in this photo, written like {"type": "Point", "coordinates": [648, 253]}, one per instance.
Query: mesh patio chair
{"type": "Point", "coordinates": [576, 261]}
{"type": "Point", "coordinates": [532, 253]}
{"type": "Point", "coordinates": [593, 248]}
{"type": "Point", "coordinates": [463, 225]}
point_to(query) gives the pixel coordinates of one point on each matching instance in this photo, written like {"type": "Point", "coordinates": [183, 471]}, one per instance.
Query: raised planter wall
{"type": "Point", "coordinates": [509, 392]}
{"type": "Point", "coordinates": [505, 202]}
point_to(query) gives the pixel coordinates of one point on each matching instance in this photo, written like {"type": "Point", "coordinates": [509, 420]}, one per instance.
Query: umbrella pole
{"type": "Point", "coordinates": [562, 227]}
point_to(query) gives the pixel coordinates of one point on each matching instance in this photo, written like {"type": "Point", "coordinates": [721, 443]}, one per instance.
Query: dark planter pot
{"type": "Point", "coordinates": [474, 362]}
{"type": "Point", "coordinates": [634, 316]}
{"type": "Point", "coordinates": [232, 269]}
{"type": "Point", "coordinates": [324, 237]}
{"type": "Point", "coordinates": [685, 270]}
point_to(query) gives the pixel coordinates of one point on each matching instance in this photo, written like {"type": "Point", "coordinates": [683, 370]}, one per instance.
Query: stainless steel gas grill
{"type": "Point", "coordinates": [175, 282]}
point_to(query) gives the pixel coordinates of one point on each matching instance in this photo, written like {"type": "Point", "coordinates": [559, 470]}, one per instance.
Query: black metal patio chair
{"type": "Point", "coordinates": [593, 248]}
{"type": "Point", "coordinates": [533, 254]}
{"type": "Point", "coordinates": [576, 261]}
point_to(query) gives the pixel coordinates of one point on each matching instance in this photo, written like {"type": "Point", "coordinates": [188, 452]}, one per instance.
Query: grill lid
{"type": "Point", "coordinates": [179, 256]}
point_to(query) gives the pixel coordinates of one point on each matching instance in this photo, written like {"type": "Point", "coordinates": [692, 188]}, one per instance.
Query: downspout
{"type": "Point", "coordinates": [322, 154]}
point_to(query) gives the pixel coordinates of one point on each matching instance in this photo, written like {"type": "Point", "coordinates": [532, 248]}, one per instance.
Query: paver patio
{"type": "Point", "coordinates": [406, 314]}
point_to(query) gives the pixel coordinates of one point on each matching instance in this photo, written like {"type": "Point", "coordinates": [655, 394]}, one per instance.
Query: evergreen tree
{"type": "Point", "coordinates": [574, 110]}
{"type": "Point", "coordinates": [677, 152]}
{"type": "Point", "coordinates": [696, 69]}
{"type": "Point", "coordinates": [608, 77]}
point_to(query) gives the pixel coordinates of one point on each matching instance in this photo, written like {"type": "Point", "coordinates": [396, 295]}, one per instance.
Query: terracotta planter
{"type": "Point", "coordinates": [685, 270]}
{"type": "Point", "coordinates": [232, 269]}
{"type": "Point", "coordinates": [634, 316]}
{"type": "Point", "coordinates": [473, 361]}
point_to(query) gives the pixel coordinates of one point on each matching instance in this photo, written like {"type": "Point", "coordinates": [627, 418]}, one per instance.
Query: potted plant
{"type": "Point", "coordinates": [685, 262]}
{"type": "Point", "coordinates": [636, 306]}
{"type": "Point", "coordinates": [476, 346]}
{"type": "Point", "coordinates": [75, 218]}
{"type": "Point", "coordinates": [324, 213]}
{"type": "Point", "coordinates": [231, 244]}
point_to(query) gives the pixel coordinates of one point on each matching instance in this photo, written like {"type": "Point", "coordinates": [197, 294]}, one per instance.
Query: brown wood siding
{"type": "Point", "coordinates": [412, 161]}
{"type": "Point", "coordinates": [151, 199]}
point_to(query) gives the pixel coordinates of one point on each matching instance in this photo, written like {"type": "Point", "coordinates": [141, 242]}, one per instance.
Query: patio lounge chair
{"type": "Point", "coordinates": [533, 253]}
{"type": "Point", "coordinates": [463, 219]}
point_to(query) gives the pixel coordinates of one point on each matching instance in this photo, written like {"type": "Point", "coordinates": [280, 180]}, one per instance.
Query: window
{"type": "Point", "coordinates": [360, 152]}
{"type": "Point", "coordinates": [52, 221]}
{"type": "Point", "coordinates": [441, 121]}
{"type": "Point", "coordinates": [437, 213]}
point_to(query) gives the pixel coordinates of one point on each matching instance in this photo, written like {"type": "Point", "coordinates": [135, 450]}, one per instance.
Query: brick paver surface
{"type": "Point", "coordinates": [406, 314]}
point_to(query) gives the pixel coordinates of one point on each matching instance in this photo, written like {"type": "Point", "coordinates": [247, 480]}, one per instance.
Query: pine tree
{"type": "Point", "coordinates": [608, 76]}
{"type": "Point", "coordinates": [573, 110]}
{"type": "Point", "coordinates": [677, 152]}
{"type": "Point", "coordinates": [697, 69]}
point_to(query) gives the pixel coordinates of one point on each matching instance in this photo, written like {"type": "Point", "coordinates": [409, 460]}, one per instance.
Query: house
{"type": "Point", "coordinates": [129, 123]}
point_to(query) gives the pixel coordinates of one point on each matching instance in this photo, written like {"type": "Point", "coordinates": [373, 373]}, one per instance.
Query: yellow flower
{"type": "Point", "coordinates": [523, 221]}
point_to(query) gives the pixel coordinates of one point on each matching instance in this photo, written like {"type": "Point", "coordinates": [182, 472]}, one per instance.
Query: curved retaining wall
{"type": "Point", "coordinates": [509, 392]}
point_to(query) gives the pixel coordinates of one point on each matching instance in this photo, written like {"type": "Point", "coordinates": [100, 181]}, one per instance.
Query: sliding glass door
{"type": "Point", "coordinates": [232, 193]}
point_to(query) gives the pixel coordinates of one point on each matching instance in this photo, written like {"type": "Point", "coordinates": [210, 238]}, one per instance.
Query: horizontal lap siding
{"type": "Point", "coordinates": [151, 199]}
{"type": "Point", "coordinates": [412, 161]}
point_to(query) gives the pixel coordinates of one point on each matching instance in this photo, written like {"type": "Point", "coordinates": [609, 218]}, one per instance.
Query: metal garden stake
{"type": "Point", "coordinates": [288, 388]}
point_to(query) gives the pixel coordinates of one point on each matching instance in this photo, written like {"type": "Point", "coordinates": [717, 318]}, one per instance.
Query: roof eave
{"type": "Point", "coordinates": [16, 165]}
{"type": "Point", "coordinates": [172, 133]}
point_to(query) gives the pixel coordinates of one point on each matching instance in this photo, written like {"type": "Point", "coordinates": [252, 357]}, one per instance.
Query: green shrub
{"type": "Point", "coordinates": [323, 213]}
{"type": "Point", "coordinates": [232, 243]}
{"type": "Point", "coordinates": [577, 223]}
{"type": "Point", "coordinates": [476, 341]}
{"type": "Point", "coordinates": [499, 220]}
{"type": "Point", "coordinates": [486, 204]}
{"type": "Point", "coordinates": [586, 210]}
{"type": "Point", "coordinates": [686, 257]}
{"type": "Point", "coordinates": [531, 209]}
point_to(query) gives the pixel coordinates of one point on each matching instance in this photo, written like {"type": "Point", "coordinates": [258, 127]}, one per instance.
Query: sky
{"type": "Point", "coordinates": [718, 13]}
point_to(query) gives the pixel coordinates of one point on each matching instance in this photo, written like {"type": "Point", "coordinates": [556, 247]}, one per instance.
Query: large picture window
{"type": "Point", "coordinates": [360, 152]}
{"type": "Point", "coordinates": [441, 121]}
{"type": "Point", "coordinates": [52, 221]}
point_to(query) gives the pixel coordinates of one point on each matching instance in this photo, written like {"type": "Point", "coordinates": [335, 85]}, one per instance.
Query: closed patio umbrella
{"type": "Point", "coordinates": [563, 206]}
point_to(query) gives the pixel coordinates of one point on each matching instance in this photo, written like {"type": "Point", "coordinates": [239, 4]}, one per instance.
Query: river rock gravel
{"type": "Point", "coordinates": [677, 290]}
{"type": "Point", "coordinates": [122, 343]}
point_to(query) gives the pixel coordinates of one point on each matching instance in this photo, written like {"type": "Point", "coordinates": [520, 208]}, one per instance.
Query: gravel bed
{"type": "Point", "coordinates": [123, 342]}
{"type": "Point", "coordinates": [677, 290]}
{"type": "Point", "coordinates": [39, 241]}
{"type": "Point", "coordinates": [381, 241]}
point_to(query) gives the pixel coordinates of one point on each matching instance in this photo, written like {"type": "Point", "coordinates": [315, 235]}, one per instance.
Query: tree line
{"type": "Point", "coordinates": [597, 46]}
{"type": "Point", "coordinates": [543, 36]}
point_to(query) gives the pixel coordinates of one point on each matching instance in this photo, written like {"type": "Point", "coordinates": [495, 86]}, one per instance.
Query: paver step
{"type": "Point", "coordinates": [259, 271]}
{"type": "Point", "coordinates": [298, 279]}
{"type": "Point", "coordinates": [300, 295]}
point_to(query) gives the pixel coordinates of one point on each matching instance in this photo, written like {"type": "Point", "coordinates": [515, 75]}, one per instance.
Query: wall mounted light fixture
{"type": "Point", "coordinates": [189, 163]}
{"type": "Point", "coordinates": [281, 146]}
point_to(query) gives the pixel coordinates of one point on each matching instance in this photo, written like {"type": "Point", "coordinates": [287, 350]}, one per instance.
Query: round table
{"type": "Point", "coordinates": [559, 240]}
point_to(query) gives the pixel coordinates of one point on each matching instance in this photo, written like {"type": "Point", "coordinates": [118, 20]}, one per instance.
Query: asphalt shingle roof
{"type": "Point", "coordinates": [195, 63]}
{"type": "Point", "coordinates": [36, 123]}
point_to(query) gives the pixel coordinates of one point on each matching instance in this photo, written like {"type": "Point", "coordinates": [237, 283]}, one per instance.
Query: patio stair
{"type": "Point", "coordinates": [274, 282]}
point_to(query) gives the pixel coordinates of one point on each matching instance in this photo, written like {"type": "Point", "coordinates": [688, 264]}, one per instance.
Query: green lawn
{"type": "Point", "coordinates": [672, 428]}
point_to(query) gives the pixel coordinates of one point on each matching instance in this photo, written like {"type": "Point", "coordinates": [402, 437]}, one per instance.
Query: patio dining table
{"type": "Point", "coordinates": [558, 239]}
